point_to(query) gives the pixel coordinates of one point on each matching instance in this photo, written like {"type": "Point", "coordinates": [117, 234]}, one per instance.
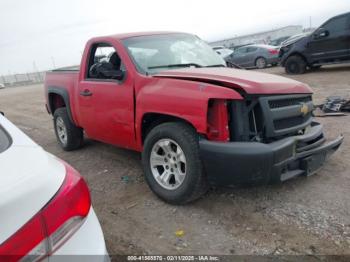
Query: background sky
{"type": "Point", "coordinates": [41, 34]}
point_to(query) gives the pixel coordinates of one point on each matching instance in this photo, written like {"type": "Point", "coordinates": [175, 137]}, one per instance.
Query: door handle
{"type": "Point", "coordinates": [86, 92]}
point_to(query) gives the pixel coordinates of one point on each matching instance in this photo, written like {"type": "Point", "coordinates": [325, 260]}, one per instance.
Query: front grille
{"type": "Point", "coordinates": [289, 122]}
{"type": "Point", "coordinates": [285, 114]}
{"type": "Point", "coordinates": [288, 102]}
{"type": "Point", "coordinates": [267, 118]}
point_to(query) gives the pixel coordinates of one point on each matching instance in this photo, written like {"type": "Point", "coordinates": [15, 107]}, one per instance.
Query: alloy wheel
{"type": "Point", "coordinates": [168, 164]}
{"type": "Point", "coordinates": [61, 130]}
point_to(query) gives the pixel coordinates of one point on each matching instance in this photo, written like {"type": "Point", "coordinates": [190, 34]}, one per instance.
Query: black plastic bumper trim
{"type": "Point", "coordinates": [254, 162]}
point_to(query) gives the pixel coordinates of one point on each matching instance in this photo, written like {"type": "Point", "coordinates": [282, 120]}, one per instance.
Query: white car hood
{"type": "Point", "coordinates": [29, 178]}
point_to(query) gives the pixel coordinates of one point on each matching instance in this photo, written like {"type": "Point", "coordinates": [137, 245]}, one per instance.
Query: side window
{"type": "Point", "coordinates": [241, 50]}
{"type": "Point", "coordinates": [337, 25]}
{"type": "Point", "coordinates": [251, 49]}
{"type": "Point", "coordinates": [104, 63]}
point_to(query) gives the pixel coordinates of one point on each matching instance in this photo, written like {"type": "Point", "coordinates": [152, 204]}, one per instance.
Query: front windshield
{"type": "Point", "coordinates": [154, 53]}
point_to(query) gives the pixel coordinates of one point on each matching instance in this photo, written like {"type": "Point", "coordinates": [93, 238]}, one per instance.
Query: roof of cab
{"type": "Point", "coordinates": [136, 34]}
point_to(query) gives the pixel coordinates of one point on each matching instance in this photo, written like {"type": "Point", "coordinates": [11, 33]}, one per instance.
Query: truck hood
{"type": "Point", "coordinates": [247, 81]}
{"type": "Point", "coordinates": [294, 39]}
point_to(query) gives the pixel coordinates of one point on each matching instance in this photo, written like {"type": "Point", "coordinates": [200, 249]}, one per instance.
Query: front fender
{"type": "Point", "coordinates": [183, 99]}
{"type": "Point", "coordinates": [297, 48]}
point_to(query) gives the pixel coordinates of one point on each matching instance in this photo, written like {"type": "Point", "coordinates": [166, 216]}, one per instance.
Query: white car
{"type": "Point", "coordinates": [2, 86]}
{"type": "Point", "coordinates": [45, 205]}
{"type": "Point", "coordinates": [222, 51]}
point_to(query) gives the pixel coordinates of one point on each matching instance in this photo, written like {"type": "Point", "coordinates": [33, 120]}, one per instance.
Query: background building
{"type": "Point", "coordinates": [260, 38]}
{"type": "Point", "coordinates": [22, 79]}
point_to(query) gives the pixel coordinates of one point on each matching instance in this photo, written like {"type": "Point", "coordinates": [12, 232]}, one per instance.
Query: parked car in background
{"type": "Point", "coordinates": [278, 41]}
{"type": "Point", "coordinates": [329, 44]}
{"type": "Point", "coordinates": [2, 86]}
{"type": "Point", "coordinates": [45, 204]}
{"type": "Point", "coordinates": [259, 56]}
{"type": "Point", "coordinates": [223, 51]}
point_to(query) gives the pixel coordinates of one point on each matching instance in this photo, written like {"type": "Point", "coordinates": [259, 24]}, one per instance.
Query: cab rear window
{"type": "Point", "coordinates": [5, 140]}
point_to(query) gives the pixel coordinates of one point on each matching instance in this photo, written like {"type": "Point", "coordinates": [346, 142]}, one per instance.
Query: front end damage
{"type": "Point", "coordinates": [272, 138]}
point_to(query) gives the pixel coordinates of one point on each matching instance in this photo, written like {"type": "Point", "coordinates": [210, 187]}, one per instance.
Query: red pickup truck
{"type": "Point", "coordinates": [196, 122]}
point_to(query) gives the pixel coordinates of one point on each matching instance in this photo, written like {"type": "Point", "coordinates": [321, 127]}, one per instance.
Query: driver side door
{"type": "Point", "coordinates": [106, 104]}
{"type": "Point", "coordinates": [331, 40]}
{"type": "Point", "coordinates": [239, 56]}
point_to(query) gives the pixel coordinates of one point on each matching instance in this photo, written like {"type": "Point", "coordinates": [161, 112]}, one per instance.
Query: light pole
{"type": "Point", "coordinates": [53, 62]}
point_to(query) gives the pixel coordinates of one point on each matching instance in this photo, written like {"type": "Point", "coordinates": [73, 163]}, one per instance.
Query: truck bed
{"type": "Point", "coordinates": [67, 68]}
{"type": "Point", "coordinates": [64, 82]}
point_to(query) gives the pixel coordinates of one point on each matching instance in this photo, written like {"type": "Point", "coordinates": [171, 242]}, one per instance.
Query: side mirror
{"type": "Point", "coordinates": [321, 33]}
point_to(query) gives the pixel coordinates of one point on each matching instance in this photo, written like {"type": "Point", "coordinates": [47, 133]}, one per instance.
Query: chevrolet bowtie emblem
{"type": "Point", "coordinates": [304, 109]}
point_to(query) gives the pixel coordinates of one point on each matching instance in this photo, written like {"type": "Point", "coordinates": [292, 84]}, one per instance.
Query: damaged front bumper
{"type": "Point", "coordinates": [254, 162]}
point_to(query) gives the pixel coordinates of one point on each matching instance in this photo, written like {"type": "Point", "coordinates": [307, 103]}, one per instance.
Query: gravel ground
{"type": "Point", "coordinates": [302, 216]}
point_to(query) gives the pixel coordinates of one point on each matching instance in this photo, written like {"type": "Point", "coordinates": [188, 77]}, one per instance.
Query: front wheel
{"type": "Point", "coordinates": [295, 65]}
{"type": "Point", "coordinates": [172, 165]}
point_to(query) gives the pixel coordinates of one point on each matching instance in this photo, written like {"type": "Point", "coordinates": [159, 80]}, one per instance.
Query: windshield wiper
{"type": "Point", "coordinates": [175, 65]}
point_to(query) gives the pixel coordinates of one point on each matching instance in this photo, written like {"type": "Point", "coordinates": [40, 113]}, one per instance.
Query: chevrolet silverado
{"type": "Point", "coordinates": [197, 122]}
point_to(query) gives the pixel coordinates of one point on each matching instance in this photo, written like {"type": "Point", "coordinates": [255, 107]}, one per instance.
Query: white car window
{"type": "Point", "coordinates": [5, 140]}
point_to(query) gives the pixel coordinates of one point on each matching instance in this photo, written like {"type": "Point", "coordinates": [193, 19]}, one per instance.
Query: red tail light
{"type": "Point", "coordinates": [273, 51]}
{"type": "Point", "coordinates": [53, 225]}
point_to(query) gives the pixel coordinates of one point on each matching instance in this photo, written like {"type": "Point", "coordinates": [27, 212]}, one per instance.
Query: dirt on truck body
{"type": "Point", "coordinates": [171, 97]}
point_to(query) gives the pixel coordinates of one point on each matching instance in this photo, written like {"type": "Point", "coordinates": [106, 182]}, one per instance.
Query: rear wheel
{"type": "Point", "coordinates": [260, 63]}
{"type": "Point", "coordinates": [295, 65]}
{"type": "Point", "coordinates": [68, 135]}
{"type": "Point", "coordinates": [172, 165]}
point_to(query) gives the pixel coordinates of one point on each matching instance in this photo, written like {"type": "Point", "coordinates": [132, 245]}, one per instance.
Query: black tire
{"type": "Point", "coordinates": [295, 65]}
{"type": "Point", "coordinates": [194, 184]}
{"type": "Point", "coordinates": [261, 63]}
{"type": "Point", "coordinates": [74, 135]}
